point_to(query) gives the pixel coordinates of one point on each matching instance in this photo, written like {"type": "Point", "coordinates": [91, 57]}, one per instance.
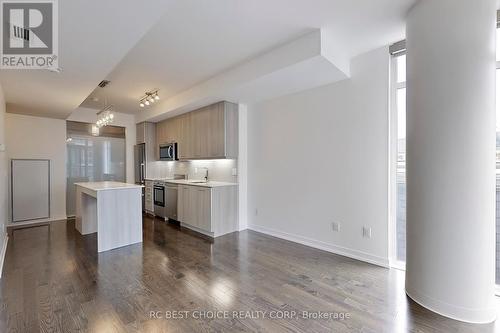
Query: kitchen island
{"type": "Point", "coordinates": [113, 210]}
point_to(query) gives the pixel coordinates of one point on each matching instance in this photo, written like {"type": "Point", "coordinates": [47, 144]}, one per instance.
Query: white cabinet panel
{"type": "Point", "coordinates": [203, 209]}
{"type": "Point", "coordinates": [30, 189]}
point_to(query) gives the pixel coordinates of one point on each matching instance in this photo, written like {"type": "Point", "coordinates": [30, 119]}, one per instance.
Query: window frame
{"type": "Point", "coordinates": [394, 262]}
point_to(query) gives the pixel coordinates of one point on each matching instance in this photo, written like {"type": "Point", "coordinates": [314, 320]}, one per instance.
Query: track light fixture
{"type": "Point", "coordinates": [149, 98]}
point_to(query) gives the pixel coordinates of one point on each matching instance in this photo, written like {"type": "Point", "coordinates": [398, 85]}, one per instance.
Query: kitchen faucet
{"type": "Point", "coordinates": [206, 173]}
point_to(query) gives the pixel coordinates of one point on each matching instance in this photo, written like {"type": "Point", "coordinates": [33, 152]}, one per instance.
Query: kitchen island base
{"type": "Point", "coordinates": [113, 210]}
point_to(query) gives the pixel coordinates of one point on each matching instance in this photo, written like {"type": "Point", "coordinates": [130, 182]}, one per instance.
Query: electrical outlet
{"type": "Point", "coordinates": [256, 212]}
{"type": "Point", "coordinates": [2, 147]}
{"type": "Point", "coordinates": [367, 232]}
{"type": "Point", "coordinates": [234, 172]}
{"type": "Point", "coordinates": [336, 226]}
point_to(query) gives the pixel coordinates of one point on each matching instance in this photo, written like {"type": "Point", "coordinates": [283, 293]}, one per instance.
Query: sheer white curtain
{"type": "Point", "coordinates": [93, 159]}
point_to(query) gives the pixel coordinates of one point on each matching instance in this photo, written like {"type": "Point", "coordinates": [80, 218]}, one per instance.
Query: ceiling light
{"type": "Point", "coordinates": [149, 98]}
{"type": "Point", "coordinates": [104, 117]}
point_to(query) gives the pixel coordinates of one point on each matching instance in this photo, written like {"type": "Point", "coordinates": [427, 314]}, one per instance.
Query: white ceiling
{"type": "Point", "coordinates": [175, 45]}
{"type": "Point", "coordinates": [93, 37]}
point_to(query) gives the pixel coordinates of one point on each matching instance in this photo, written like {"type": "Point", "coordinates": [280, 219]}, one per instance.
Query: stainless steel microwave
{"type": "Point", "coordinates": [168, 151]}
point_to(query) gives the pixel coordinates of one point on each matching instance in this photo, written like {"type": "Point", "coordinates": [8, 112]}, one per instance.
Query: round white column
{"type": "Point", "coordinates": [450, 264]}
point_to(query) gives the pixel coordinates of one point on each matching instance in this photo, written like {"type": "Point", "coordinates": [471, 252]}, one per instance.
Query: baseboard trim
{"type": "Point", "coordinates": [198, 230]}
{"type": "Point", "coordinates": [468, 315]}
{"type": "Point", "coordinates": [2, 254]}
{"type": "Point", "coordinates": [340, 250]}
{"type": "Point", "coordinates": [48, 220]}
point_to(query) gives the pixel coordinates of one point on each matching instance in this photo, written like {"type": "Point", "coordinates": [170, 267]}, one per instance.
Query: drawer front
{"type": "Point", "coordinates": [148, 205]}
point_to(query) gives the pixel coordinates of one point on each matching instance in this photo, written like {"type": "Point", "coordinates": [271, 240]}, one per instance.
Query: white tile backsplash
{"type": "Point", "coordinates": [218, 170]}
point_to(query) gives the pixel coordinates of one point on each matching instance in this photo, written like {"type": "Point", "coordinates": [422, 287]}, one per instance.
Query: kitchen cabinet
{"type": "Point", "coordinates": [185, 137]}
{"type": "Point", "coordinates": [168, 131]}
{"type": "Point", "coordinates": [148, 194]}
{"type": "Point", "coordinates": [203, 209]}
{"type": "Point", "coordinates": [183, 204]}
{"type": "Point", "coordinates": [208, 210]}
{"type": "Point", "coordinates": [210, 132]}
{"type": "Point", "coordinates": [214, 131]}
{"type": "Point", "coordinates": [146, 133]}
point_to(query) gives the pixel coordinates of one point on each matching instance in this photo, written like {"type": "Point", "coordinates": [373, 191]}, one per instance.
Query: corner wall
{"type": "Point", "coordinates": [321, 156]}
{"type": "Point", "coordinates": [4, 195]}
{"type": "Point", "coordinates": [39, 137]}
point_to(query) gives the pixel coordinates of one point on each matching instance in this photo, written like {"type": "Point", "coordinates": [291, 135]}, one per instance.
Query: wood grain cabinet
{"type": "Point", "coordinates": [148, 200]}
{"type": "Point", "coordinates": [185, 137]}
{"type": "Point", "coordinates": [183, 204]}
{"type": "Point", "coordinates": [207, 133]}
{"type": "Point", "coordinates": [145, 132]}
{"type": "Point", "coordinates": [210, 211]}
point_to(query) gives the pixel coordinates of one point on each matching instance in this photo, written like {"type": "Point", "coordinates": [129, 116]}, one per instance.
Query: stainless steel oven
{"type": "Point", "coordinates": [168, 151]}
{"type": "Point", "coordinates": [159, 198]}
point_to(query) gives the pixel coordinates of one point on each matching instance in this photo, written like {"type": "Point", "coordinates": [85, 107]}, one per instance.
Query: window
{"type": "Point", "coordinates": [92, 158]}
{"type": "Point", "coordinates": [497, 217]}
{"type": "Point", "coordinates": [399, 119]}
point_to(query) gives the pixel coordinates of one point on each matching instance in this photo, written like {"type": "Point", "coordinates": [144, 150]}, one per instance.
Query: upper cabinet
{"type": "Point", "coordinates": [207, 133]}
{"type": "Point", "coordinates": [145, 132]}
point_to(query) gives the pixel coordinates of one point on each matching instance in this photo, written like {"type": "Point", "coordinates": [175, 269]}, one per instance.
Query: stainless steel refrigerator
{"type": "Point", "coordinates": [140, 166]}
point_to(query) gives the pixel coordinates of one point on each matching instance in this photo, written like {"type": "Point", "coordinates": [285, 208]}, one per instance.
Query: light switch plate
{"type": "Point", "coordinates": [367, 232]}
{"type": "Point", "coordinates": [234, 172]}
{"type": "Point", "coordinates": [2, 146]}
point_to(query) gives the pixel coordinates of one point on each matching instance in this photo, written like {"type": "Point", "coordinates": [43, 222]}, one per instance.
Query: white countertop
{"type": "Point", "coordinates": [101, 186]}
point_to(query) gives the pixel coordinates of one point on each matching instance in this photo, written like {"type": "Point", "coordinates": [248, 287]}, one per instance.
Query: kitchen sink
{"type": "Point", "coordinates": [198, 182]}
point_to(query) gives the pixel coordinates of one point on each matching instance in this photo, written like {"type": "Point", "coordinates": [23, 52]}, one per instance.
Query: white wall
{"type": "Point", "coordinates": [243, 166]}
{"type": "Point", "coordinates": [321, 156]}
{"type": "Point", "coordinates": [4, 194]}
{"type": "Point", "coordinates": [36, 137]}
{"type": "Point", "coordinates": [121, 119]}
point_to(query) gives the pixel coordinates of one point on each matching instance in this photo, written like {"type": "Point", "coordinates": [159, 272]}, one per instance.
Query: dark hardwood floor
{"type": "Point", "coordinates": [56, 282]}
